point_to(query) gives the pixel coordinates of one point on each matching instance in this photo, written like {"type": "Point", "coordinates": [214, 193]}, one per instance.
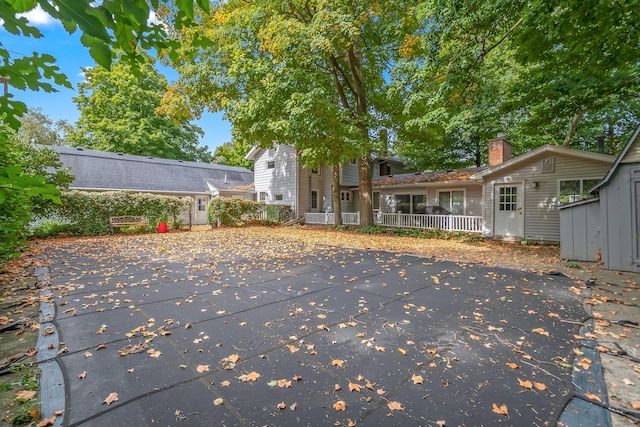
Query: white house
{"type": "Point", "coordinates": [279, 178]}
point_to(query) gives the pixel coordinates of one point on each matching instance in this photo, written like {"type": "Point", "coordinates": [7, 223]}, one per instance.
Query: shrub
{"type": "Point", "coordinates": [373, 229]}
{"type": "Point", "coordinates": [233, 211]}
{"type": "Point", "coordinates": [89, 212]}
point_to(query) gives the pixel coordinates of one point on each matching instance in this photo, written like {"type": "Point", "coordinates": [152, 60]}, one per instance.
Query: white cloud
{"type": "Point", "coordinates": [38, 17]}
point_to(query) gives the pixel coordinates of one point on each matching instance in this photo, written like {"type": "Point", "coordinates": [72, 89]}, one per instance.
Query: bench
{"type": "Point", "coordinates": [127, 221]}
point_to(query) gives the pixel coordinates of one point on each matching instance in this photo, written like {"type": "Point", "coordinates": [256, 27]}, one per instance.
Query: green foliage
{"type": "Point", "coordinates": [436, 233]}
{"type": "Point", "coordinates": [118, 110]}
{"type": "Point", "coordinates": [25, 187]}
{"type": "Point", "coordinates": [88, 213]}
{"type": "Point", "coordinates": [37, 128]}
{"type": "Point", "coordinates": [50, 228]}
{"type": "Point", "coordinates": [233, 212]}
{"type": "Point", "coordinates": [232, 154]}
{"type": "Point", "coordinates": [278, 213]}
{"type": "Point", "coordinates": [373, 229]}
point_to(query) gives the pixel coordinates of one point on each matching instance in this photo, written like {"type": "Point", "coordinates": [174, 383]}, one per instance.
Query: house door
{"type": "Point", "coordinates": [201, 211]}
{"type": "Point", "coordinates": [508, 212]}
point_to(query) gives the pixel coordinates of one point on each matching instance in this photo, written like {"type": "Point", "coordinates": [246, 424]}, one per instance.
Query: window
{"type": "Point", "coordinates": [508, 199]}
{"type": "Point", "coordinates": [345, 196]}
{"type": "Point", "coordinates": [314, 199]}
{"type": "Point", "coordinates": [262, 197]}
{"type": "Point", "coordinates": [576, 189]}
{"type": "Point", "coordinates": [202, 205]}
{"type": "Point", "coordinates": [548, 165]}
{"type": "Point", "coordinates": [376, 200]}
{"type": "Point", "coordinates": [385, 169]}
{"type": "Point", "coordinates": [406, 203]}
{"type": "Point", "coordinates": [453, 201]}
{"type": "Point", "coordinates": [277, 197]}
{"type": "Point", "coordinates": [418, 203]}
{"type": "Point", "coordinates": [271, 164]}
{"type": "Point", "coordinates": [314, 170]}
{"type": "Point", "coordinates": [403, 203]}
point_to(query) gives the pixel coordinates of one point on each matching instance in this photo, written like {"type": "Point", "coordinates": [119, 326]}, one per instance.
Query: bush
{"type": "Point", "coordinates": [88, 212]}
{"type": "Point", "coordinates": [373, 229]}
{"type": "Point", "coordinates": [233, 211]}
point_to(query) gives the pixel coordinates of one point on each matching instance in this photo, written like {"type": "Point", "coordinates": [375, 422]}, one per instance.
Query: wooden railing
{"type": "Point", "coordinates": [471, 224]}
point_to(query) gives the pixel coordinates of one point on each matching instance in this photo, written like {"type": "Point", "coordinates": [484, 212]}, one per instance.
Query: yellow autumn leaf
{"type": "Point", "coordinates": [395, 406]}
{"type": "Point", "coordinates": [340, 405]}
{"type": "Point", "coordinates": [502, 409]}
{"type": "Point", "coordinates": [218, 401]}
{"type": "Point", "coordinates": [417, 379]}
{"type": "Point", "coordinates": [337, 362]}
{"type": "Point", "coordinates": [354, 387]}
{"type": "Point", "coordinates": [402, 351]}
{"type": "Point", "coordinates": [202, 368]}
{"type": "Point", "coordinates": [525, 384]}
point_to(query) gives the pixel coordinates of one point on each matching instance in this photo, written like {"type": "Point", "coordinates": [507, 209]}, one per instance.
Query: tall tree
{"type": "Point", "coordinates": [37, 128]}
{"type": "Point", "coordinates": [118, 114]}
{"type": "Point", "coordinates": [312, 74]}
{"type": "Point", "coordinates": [232, 154]}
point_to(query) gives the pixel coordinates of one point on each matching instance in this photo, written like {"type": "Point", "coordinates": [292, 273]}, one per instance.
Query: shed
{"type": "Point", "coordinates": [616, 214]}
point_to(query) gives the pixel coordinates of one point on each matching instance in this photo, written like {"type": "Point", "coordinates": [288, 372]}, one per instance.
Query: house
{"type": "Point", "coordinates": [607, 227]}
{"type": "Point", "coordinates": [102, 171]}
{"type": "Point", "coordinates": [279, 178]}
{"type": "Point", "coordinates": [521, 195]}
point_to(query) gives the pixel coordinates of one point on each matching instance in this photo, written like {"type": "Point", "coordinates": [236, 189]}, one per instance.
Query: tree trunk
{"type": "Point", "coordinates": [337, 209]}
{"type": "Point", "coordinates": [366, 190]}
{"type": "Point", "coordinates": [572, 127]}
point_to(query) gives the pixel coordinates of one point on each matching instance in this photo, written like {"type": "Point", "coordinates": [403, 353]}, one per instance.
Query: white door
{"type": "Point", "coordinates": [201, 211]}
{"type": "Point", "coordinates": [508, 214]}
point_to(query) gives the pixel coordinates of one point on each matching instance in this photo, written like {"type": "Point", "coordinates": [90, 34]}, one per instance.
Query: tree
{"type": "Point", "coordinates": [310, 74]}
{"type": "Point", "coordinates": [104, 25]}
{"type": "Point", "coordinates": [546, 67]}
{"type": "Point", "coordinates": [232, 154]}
{"type": "Point", "coordinates": [37, 128]}
{"type": "Point", "coordinates": [118, 114]}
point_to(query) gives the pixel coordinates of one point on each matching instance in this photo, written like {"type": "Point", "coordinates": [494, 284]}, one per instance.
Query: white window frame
{"type": "Point", "coordinates": [278, 197]}
{"type": "Point", "coordinates": [450, 191]}
{"type": "Point", "coordinates": [202, 206]}
{"type": "Point", "coordinates": [316, 207]}
{"type": "Point", "coordinates": [583, 189]}
{"type": "Point", "coordinates": [345, 195]}
{"type": "Point", "coordinates": [263, 196]}
{"type": "Point", "coordinates": [271, 164]}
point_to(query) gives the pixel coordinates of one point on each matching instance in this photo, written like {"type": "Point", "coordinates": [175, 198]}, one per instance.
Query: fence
{"type": "Point", "coordinates": [471, 224]}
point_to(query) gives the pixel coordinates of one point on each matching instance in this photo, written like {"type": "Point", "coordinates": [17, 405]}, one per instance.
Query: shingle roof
{"type": "Point", "coordinates": [113, 171]}
{"type": "Point", "coordinates": [425, 177]}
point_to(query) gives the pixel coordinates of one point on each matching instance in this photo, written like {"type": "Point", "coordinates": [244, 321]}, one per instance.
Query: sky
{"type": "Point", "coordinates": [71, 57]}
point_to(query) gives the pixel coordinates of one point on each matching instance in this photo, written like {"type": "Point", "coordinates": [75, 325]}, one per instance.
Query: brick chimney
{"type": "Point", "coordinates": [499, 151]}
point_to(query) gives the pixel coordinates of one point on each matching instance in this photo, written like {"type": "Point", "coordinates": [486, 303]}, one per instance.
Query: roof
{"type": "Point", "coordinates": [619, 159]}
{"type": "Point", "coordinates": [99, 170]}
{"type": "Point", "coordinates": [426, 177]}
{"type": "Point", "coordinates": [545, 150]}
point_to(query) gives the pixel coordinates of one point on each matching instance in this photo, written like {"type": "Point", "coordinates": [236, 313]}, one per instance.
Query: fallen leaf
{"type": "Point", "coordinates": [292, 348]}
{"type": "Point", "coordinates": [293, 406]}
{"type": "Point", "coordinates": [502, 409]}
{"type": "Point", "coordinates": [26, 394]}
{"type": "Point", "coordinates": [627, 381]}
{"type": "Point", "coordinates": [395, 406]}
{"type": "Point", "coordinates": [592, 396]}
{"type": "Point", "coordinates": [441, 423]}
{"type": "Point", "coordinates": [47, 422]}
{"type": "Point", "coordinates": [539, 386]}
{"type": "Point", "coordinates": [585, 363]}
{"type": "Point", "coordinates": [474, 337]}
{"type": "Point", "coordinates": [154, 353]}
{"type": "Point", "coordinates": [635, 405]}
{"type": "Point", "coordinates": [225, 383]}
{"type": "Point", "coordinates": [513, 365]}
{"type": "Point", "coordinates": [354, 387]}
{"type": "Point", "coordinates": [417, 379]}
{"type": "Point", "coordinates": [340, 405]}
{"type": "Point", "coordinates": [87, 354]}
{"type": "Point", "coordinates": [132, 349]}
{"type": "Point", "coordinates": [297, 378]}
{"type": "Point", "coordinates": [282, 406]}
{"type": "Point", "coordinates": [113, 397]}
{"type": "Point", "coordinates": [379, 348]}
{"type": "Point", "coordinates": [540, 331]}
{"type": "Point", "coordinates": [202, 368]}
{"type": "Point", "coordinates": [525, 384]}
{"type": "Point", "coordinates": [218, 401]}
{"type": "Point", "coordinates": [337, 362]}
{"type": "Point", "coordinates": [101, 347]}
{"type": "Point", "coordinates": [283, 383]}
{"type": "Point", "coordinates": [402, 351]}
{"type": "Point", "coordinates": [252, 376]}
{"type": "Point", "coordinates": [234, 358]}
{"type": "Point", "coordinates": [82, 375]}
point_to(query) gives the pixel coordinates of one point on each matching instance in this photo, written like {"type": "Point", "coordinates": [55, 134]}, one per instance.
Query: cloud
{"type": "Point", "coordinates": [38, 17]}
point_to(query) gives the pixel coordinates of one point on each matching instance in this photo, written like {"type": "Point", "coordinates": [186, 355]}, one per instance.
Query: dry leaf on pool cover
{"type": "Point", "coordinates": [252, 376]}
{"type": "Point", "coordinates": [47, 422]}
{"type": "Point", "coordinates": [525, 384]}
{"type": "Point", "coordinates": [354, 387]}
{"type": "Point", "coordinates": [218, 401]}
{"type": "Point", "coordinates": [234, 358]}
{"type": "Point", "coordinates": [592, 396]}
{"type": "Point", "coordinates": [340, 405]}
{"type": "Point", "coordinates": [417, 379]}
{"type": "Point", "coordinates": [111, 398]}
{"type": "Point", "coordinates": [395, 406]}
{"type": "Point", "coordinates": [202, 368]}
{"type": "Point", "coordinates": [502, 409]}
{"type": "Point", "coordinates": [337, 362]}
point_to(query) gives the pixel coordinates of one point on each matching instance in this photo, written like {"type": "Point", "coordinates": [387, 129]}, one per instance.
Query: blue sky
{"type": "Point", "coordinates": [71, 57]}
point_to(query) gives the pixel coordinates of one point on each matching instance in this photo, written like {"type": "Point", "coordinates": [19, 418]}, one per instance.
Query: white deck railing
{"type": "Point", "coordinates": [471, 224]}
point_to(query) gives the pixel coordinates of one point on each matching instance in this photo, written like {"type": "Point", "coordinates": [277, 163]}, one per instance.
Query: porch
{"type": "Point", "coordinates": [469, 224]}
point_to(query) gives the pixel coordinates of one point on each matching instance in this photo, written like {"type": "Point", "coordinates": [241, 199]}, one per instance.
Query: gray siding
{"type": "Point", "coordinates": [473, 195]}
{"type": "Point", "coordinates": [541, 215]}
{"type": "Point", "coordinates": [619, 200]}
{"type": "Point", "coordinates": [349, 175]}
{"type": "Point", "coordinates": [580, 233]}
